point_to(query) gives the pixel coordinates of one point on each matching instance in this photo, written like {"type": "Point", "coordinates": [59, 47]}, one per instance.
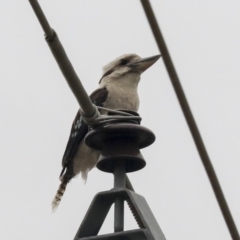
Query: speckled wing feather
{"type": "Point", "coordinates": [79, 129]}
{"type": "Point", "coordinates": [99, 96]}
{"type": "Point", "coordinates": [77, 134]}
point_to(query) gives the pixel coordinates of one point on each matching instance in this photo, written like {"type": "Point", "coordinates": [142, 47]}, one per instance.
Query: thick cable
{"type": "Point", "coordinates": [64, 63]}
{"type": "Point", "coordinates": [190, 120]}
{"type": "Point", "coordinates": [41, 17]}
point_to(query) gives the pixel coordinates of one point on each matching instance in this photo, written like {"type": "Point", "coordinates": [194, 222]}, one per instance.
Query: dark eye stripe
{"type": "Point", "coordinates": [124, 62]}
{"type": "Point", "coordinates": [106, 73]}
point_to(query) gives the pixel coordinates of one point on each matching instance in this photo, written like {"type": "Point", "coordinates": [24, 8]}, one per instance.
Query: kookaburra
{"type": "Point", "coordinates": [117, 90]}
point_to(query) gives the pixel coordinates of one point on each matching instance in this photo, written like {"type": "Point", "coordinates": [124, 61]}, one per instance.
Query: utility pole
{"type": "Point", "coordinates": [119, 144]}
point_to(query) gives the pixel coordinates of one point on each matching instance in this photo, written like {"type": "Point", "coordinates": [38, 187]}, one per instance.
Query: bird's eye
{"type": "Point", "coordinates": [124, 62]}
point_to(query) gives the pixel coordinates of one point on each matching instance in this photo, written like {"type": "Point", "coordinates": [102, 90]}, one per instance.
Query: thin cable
{"type": "Point", "coordinates": [119, 116]}
{"type": "Point", "coordinates": [190, 120]}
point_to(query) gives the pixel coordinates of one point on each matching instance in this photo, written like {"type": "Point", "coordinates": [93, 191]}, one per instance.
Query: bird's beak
{"type": "Point", "coordinates": [144, 63]}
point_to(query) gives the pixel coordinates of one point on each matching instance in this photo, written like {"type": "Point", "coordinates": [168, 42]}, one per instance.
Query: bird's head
{"type": "Point", "coordinates": [127, 65]}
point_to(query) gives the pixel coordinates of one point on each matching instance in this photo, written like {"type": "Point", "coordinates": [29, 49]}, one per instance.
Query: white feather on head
{"type": "Point", "coordinates": [117, 61]}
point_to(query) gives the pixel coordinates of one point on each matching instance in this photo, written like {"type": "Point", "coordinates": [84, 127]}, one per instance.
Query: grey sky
{"type": "Point", "coordinates": [37, 109]}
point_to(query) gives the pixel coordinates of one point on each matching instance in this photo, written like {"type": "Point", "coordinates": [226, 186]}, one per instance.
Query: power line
{"type": "Point", "coordinates": [64, 63]}
{"type": "Point", "coordinates": [190, 119]}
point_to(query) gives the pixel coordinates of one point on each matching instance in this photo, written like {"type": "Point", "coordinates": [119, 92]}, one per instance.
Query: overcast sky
{"type": "Point", "coordinates": [37, 109]}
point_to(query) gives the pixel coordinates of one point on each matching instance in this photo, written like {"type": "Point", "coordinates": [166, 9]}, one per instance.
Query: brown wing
{"type": "Point", "coordinates": [99, 96]}
{"type": "Point", "coordinates": [80, 128]}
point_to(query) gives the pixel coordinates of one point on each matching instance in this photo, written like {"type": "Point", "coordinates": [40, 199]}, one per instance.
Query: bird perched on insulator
{"type": "Point", "coordinates": [117, 90]}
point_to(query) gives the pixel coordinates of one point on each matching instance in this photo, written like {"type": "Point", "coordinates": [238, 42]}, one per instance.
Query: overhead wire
{"type": "Point", "coordinates": [190, 119]}
{"type": "Point", "coordinates": [64, 64]}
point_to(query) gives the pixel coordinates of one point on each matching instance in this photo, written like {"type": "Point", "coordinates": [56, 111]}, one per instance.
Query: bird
{"type": "Point", "coordinates": [117, 90]}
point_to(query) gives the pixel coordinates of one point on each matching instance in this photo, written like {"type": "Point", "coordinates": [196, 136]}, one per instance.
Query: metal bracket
{"type": "Point", "coordinates": [99, 208]}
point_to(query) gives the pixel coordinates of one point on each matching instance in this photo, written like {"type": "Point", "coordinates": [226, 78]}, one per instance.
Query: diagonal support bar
{"type": "Point", "coordinates": [190, 120]}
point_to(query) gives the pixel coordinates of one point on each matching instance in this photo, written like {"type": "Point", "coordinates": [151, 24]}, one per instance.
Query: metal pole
{"type": "Point", "coordinates": [190, 120]}
{"type": "Point", "coordinates": [119, 181]}
{"type": "Point", "coordinates": [64, 63]}
{"type": "Point", "coordinates": [129, 184]}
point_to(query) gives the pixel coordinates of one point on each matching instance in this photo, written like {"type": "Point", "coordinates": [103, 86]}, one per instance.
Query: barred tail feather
{"type": "Point", "coordinates": [59, 194]}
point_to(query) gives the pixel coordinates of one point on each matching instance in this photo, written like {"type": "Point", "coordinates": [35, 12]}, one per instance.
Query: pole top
{"type": "Point", "coordinates": [120, 142]}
